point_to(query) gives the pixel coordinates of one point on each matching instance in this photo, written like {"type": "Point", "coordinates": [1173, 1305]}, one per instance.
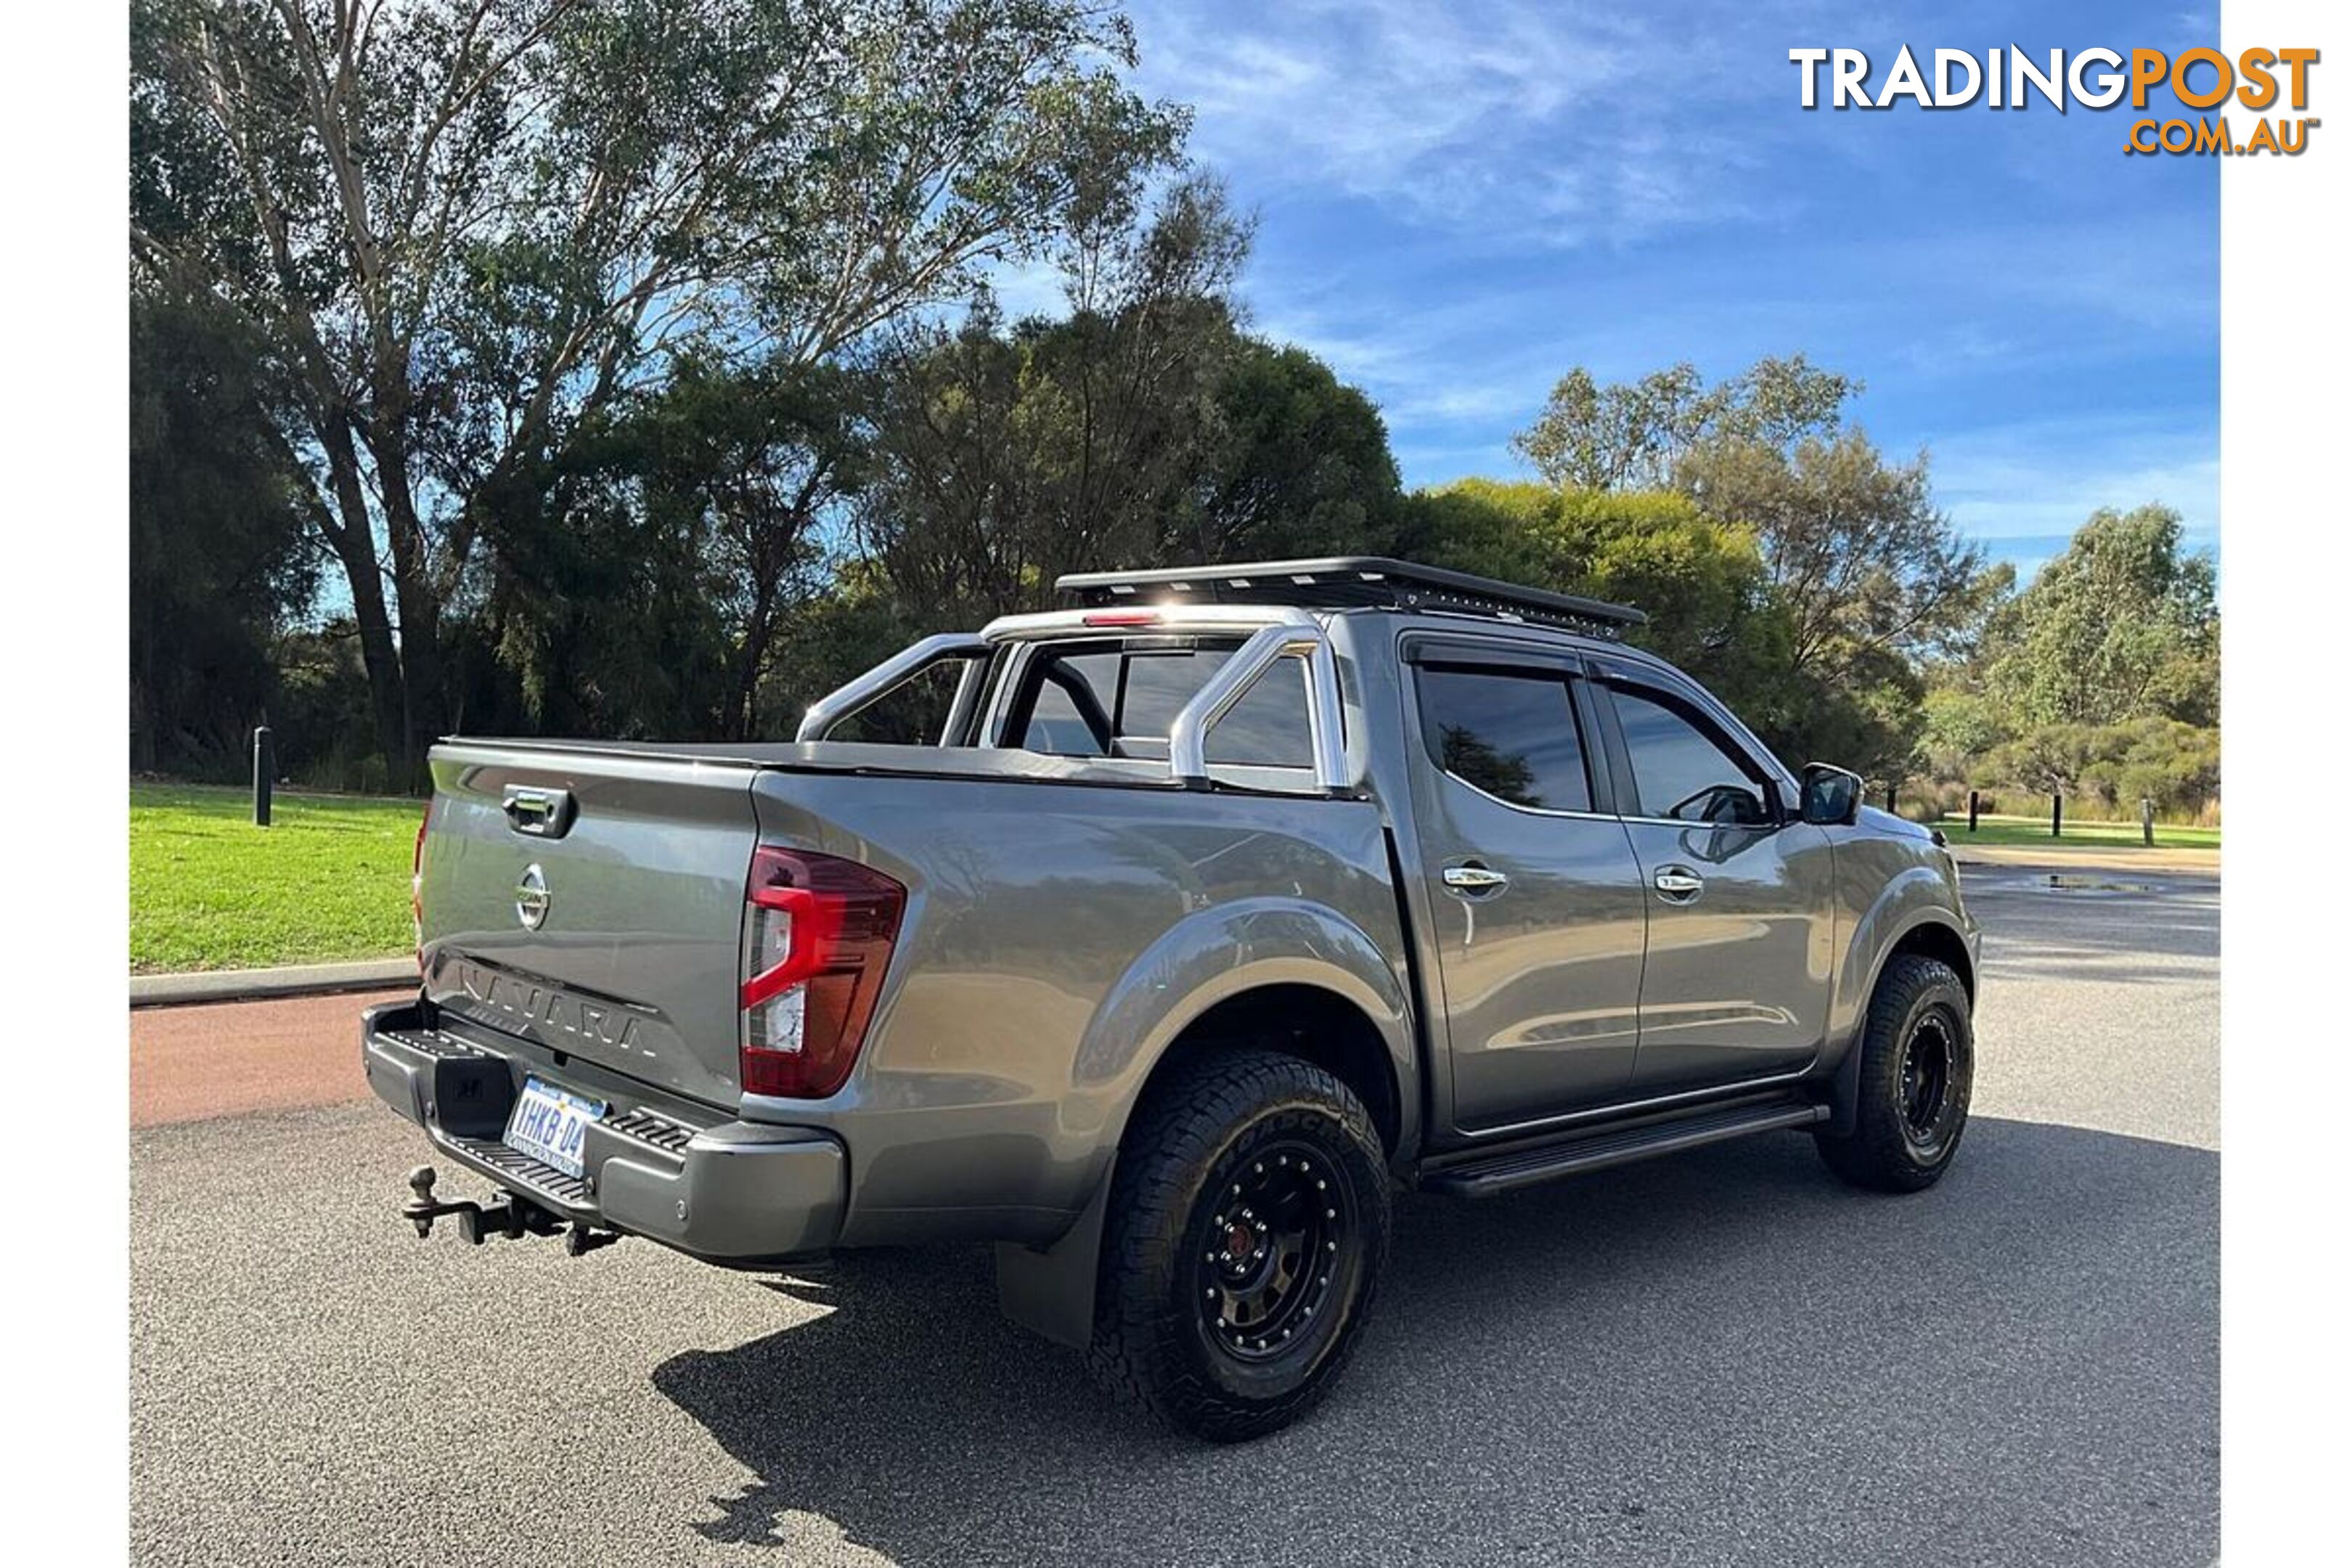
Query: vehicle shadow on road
{"type": "Point", "coordinates": [1727, 1355]}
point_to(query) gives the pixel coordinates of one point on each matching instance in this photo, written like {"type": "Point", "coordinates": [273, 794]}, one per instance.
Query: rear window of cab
{"type": "Point", "coordinates": [1092, 700]}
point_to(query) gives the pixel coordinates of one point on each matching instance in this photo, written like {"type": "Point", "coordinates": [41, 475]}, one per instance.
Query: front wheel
{"type": "Point", "coordinates": [1249, 1220]}
{"type": "Point", "coordinates": [1919, 1062]}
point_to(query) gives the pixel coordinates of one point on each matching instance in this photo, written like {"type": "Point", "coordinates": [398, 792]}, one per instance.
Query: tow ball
{"type": "Point", "coordinates": [510, 1216]}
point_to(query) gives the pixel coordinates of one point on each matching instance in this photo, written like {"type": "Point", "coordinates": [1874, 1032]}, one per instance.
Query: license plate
{"type": "Point", "coordinates": [549, 1125]}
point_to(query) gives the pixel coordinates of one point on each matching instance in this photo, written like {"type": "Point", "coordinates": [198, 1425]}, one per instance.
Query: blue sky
{"type": "Point", "coordinates": [1458, 203]}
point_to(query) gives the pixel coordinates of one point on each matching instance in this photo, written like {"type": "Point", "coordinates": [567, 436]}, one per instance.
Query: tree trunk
{"type": "Point", "coordinates": [420, 648]}
{"type": "Point", "coordinates": [143, 725]}
{"type": "Point", "coordinates": [379, 653]}
{"type": "Point", "coordinates": [759, 633]}
{"type": "Point", "coordinates": [742, 702]}
{"type": "Point", "coordinates": [416, 593]}
{"type": "Point", "coordinates": [353, 542]}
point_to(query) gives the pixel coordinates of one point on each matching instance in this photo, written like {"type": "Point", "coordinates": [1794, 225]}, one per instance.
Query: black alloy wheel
{"type": "Point", "coordinates": [1269, 1249]}
{"type": "Point", "coordinates": [1926, 1083]}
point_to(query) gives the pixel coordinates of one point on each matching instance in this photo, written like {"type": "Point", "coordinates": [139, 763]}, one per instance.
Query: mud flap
{"type": "Point", "coordinates": [1051, 1291]}
{"type": "Point", "coordinates": [1845, 1089]}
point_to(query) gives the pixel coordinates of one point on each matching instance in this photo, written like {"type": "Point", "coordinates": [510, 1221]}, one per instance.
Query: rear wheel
{"type": "Point", "coordinates": [1249, 1220]}
{"type": "Point", "coordinates": [1919, 1062]}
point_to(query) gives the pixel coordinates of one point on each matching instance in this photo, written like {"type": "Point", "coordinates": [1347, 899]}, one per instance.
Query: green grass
{"type": "Point", "coordinates": [2033, 833]}
{"type": "Point", "coordinates": [326, 879]}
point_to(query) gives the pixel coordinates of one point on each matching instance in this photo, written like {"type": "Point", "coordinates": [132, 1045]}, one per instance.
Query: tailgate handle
{"type": "Point", "coordinates": [541, 812]}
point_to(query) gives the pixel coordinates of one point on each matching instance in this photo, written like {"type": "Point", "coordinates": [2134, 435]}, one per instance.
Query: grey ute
{"type": "Point", "coordinates": [1210, 912]}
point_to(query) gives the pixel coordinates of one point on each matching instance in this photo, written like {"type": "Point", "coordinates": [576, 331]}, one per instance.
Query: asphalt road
{"type": "Point", "coordinates": [1726, 1357]}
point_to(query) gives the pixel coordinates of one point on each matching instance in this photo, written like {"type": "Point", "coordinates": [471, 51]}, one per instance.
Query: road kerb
{"type": "Point", "coordinates": [249, 984]}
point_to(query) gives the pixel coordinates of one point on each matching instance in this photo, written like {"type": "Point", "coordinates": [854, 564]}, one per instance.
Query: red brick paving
{"type": "Point", "coordinates": [221, 1058]}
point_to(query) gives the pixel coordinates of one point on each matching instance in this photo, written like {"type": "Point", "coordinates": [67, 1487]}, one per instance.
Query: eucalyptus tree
{"type": "Point", "coordinates": [2121, 626]}
{"type": "Point", "coordinates": [1007, 453]}
{"type": "Point", "coordinates": [1857, 551]}
{"type": "Point", "coordinates": [219, 555]}
{"type": "Point", "coordinates": [1634, 435]}
{"type": "Point", "coordinates": [460, 228]}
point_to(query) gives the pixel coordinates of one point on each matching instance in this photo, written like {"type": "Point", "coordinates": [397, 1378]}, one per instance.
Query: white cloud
{"type": "Point", "coordinates": [1528, 123]}
{"type": "Point", "coordinates": [2044, 479]}
{"type": "Point", "coordinates": [1036, 287]}
{"type": "Point", "coordinates": [1484, 402]}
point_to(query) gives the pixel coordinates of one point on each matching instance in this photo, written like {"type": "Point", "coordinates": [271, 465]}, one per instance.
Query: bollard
{"type": "Point", "coordinates": [2057, 809]}
{"type": "Point", "coordinates": [1890, 800]}
{"type": "Point", "coordinates": [2148, 822]}
{"type": "Point", "coordinates": [265, 768]}
{"type": "Point", "coordinates": [1972, 811]}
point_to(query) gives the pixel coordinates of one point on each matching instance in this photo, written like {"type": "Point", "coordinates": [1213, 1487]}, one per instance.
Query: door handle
{"type": "Point", "coordinates": [1678, 884]}
{"type": "Point", "coordinates": [1475, 879]}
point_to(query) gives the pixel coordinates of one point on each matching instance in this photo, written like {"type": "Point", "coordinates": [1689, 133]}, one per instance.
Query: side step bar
{"type": "Point", "coordinates": [1510, 1169]}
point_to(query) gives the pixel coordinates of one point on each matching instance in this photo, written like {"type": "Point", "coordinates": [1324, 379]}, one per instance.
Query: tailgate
{"type": "Point", "coordinates": [593, 902]}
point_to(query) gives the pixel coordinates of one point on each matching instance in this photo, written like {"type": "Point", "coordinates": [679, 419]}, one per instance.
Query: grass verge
{"type": "Point", "coordinates": [2032, 833]}
{"type": "Point", "coordinates": [328, 880]}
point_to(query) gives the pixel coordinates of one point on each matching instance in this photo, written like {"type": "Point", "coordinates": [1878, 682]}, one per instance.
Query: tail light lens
{"type": "Point", "coordinates": [817, 933]}
{"type": "Point", "coordinates": [417, 885]}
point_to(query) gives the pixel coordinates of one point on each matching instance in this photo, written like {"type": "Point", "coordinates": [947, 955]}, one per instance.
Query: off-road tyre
{"type": "Point", "coordinates": [1911, 1094]}
{"type": "Point", "coordinates": [1220, 1139]}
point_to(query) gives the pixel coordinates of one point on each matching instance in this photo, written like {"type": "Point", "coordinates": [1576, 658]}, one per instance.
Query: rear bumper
{"type": "Point", "coordinates": [727, 1191]}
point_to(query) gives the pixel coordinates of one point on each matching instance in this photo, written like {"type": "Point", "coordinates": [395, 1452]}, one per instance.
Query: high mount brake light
{"type": "Point", "coordinates": [1121, 617]}
{"type": "Point", "coordinates": [818, 934]}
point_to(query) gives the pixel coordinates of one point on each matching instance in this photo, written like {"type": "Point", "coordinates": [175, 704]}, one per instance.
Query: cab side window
{"type": "Point", "coordinates": [1681, 770]}
{"type": "Point", "coordinates": [1510, 734]}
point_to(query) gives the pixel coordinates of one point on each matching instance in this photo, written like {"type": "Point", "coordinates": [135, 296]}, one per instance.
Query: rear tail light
{"type": "Point", "coordinates": [417, 885]}
{"type": "Point", "coordinates": [817, 933]}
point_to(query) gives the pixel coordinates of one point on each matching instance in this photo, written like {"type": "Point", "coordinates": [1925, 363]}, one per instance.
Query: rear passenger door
{"type": "Point", "coordinates": [1739, 893]}
{"type": "Point", "coordinates": [1537, 897]}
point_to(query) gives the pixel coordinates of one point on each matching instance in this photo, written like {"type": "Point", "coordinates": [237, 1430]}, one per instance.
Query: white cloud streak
{"type": "Point", "coordinates": [2046, 478]}
{"type": "Point", "coordinates": [1548, 124]}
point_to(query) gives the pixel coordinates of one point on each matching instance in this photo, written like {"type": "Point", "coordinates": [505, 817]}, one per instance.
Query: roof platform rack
{"type": "Point", "coordinates": [1351, 582]}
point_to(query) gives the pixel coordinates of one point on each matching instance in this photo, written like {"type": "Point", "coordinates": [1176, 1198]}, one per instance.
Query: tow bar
{"type": "Point", "coordinates": [510, 1216]}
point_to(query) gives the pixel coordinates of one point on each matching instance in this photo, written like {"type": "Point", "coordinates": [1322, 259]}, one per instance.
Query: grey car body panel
{"type": "Point", "coordinates": [1735, 983]}
{"type": "Point", "coordinates": [635, 963]}
{"type": "Point", "coordinates": [1892, 880]}
{"type": "Point", "coordinates": [1054, 945]}
{"type": "Point", "coordinates": [1068, 920]}
{"type": "Point", "coordinates": [1535, 986]}
{"type": "Point", "coordinates": [1539, 982]}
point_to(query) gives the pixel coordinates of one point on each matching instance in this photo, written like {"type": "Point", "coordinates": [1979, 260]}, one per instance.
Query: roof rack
{"type": "Point", "coordinates": [1352, 582]}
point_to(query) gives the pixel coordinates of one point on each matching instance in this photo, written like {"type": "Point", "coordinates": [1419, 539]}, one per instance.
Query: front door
{"type": "Point", "coordinates": [1741, 901]}
{"type": "Point", "coordinates": [1536, 897]}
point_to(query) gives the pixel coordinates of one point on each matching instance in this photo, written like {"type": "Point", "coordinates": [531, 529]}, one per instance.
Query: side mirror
{"type": "Point", "coordinates": [1829, 796]}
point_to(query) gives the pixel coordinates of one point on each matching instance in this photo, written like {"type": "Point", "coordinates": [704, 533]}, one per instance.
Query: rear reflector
{"type": "Point", "coordinates": [818, 934]}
